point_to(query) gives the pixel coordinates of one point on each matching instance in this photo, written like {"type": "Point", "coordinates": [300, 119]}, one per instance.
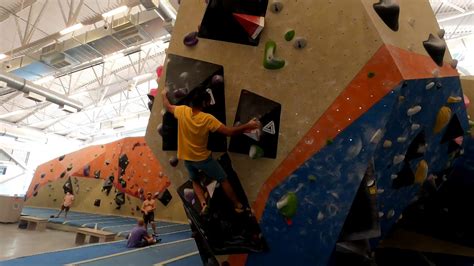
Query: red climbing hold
{"type": "Point", "coordinates": [253, 25]}
{"type": "Point", "coordinates": [289, 221]}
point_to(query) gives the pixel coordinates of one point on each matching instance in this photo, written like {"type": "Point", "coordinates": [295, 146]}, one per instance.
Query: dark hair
{"type": "Point", "coordinates": [200, 97]}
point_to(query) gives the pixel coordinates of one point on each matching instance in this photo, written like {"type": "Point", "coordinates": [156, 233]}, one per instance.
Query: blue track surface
{"type": "Point", "coordinates": [148, 256]}
{"type": "Point", "coordinates": [188, 261]}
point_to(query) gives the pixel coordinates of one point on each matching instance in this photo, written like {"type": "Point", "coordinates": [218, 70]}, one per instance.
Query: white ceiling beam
{"type": "Point", "coordinates": [465, 14]}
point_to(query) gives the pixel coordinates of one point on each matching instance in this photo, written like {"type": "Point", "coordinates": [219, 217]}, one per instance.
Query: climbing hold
{"type": "Point", "coordinates": [42, 175]}
{"type": "Point", "coordinates": [390, 213]}
{"type": "Point", "coordinates": [188, 195]}
{"type": "Point", "coordinates": [387, 144]}
{"type": "Point", "coordinates": [371, 74]}
{"type": "Point", "coordinates": [394, 176]}
{"type": "Point", "coordinates": [377, 136]}
{"type": "Point", "coordinates": [415, 127]}
{"type": "Point", "coordinates": [370, 182]}
{"type": "Point", "coordinates": [441, 33]}
{"type": "Point", "coordinates": [97, 202]}
{"type": "Point", "coordinates": [61, 157]}
{"type": "Point", "coordinates": [411, 22]}
{"type": "Point", "coordinates": [312, 178]}
{"type": "Point", "coordinates": [276, 6]}
{"type": "Point", "coordinates": [421, 172]}
{"type": "Point", "coordinates": [435, 73]}
{"type": "Point", "coordinates": [159, 128]}
{"type": "Point", "coordinates": [388, 11]}
{"type": "Point", "coordinates": [255, 152]}
{"type": "Point", "coordinates": [401, 98]}
{"type": "Point", "coordinates": [35, 194]}
{"type": "Point", "coordinates": [184, 75]}
{"type": "Point", "coordinates": [381, 214]}
{"type": "Point", "coordinates": [269, 60]}
{"type": "Point", "coordinates": [181, 92]}
{"type": "Point", "coordinates": [217, 80]}
{"type": "Point", "coordinates": [320, 216]}
{"type": "Point", "coordinates": [289, 35]}
{"type": "Point", "coordinates": [430, 85]}
{"type": "Point", "coordinates": [398, 159]}
{"type": "Point", "coordinates": [62, 175]}
{"type": "Point", "coordinates": [300, 43]}
{"type": "Point", "coordinates": [253, 25]}
{"type": "Point", "coordinates": [454, 63]}
{"type": "Point", "coordinates": [401, 139]}
{"type": "Point", "coordinates": [287, 205]}
{"type": "Point", "coordinates": [86, 170]}
{"type": "Point", "coordinates": [442, 119]}
{"type": "Point", "coordinates": [69, 167]}
{"type": "Point", "coordinates": [454, 99]}
{"type": "Point", "coordinates": [436, 48]}
{"type": "Point", "coordinates": [191, 39]}
{"type": "Point", "coordinates": [414, 110]}
{"type": "Point", "coordinates": [107, 162]}
{"type": "Point", "coordinates": [173, 161]}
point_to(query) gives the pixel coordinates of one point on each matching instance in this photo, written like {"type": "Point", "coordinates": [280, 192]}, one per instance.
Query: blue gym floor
{"type": "Point", "coordinates": [176, 242]}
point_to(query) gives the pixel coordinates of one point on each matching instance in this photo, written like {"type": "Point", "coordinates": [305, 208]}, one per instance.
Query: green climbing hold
{"type": "Point", "coordinates": [255, 152]}
{"type": "Point", "coordinates": [329, 142]}
{"type": "Point", "coordinates": [269, 60]}
{"type": "Point", "coordinates": [312, 178]}
{"type": "Point", "coordinates": [287, 205]}
{"type": "Point", "coordinates": [370, 74]}
{"type": "Point", "coordinates": [289, 35]}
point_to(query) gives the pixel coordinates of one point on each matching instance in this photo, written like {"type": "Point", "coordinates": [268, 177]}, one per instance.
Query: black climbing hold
{"type": "Point", "coordinates": [36, 187]}
{"type": "Point", "coordinates": [436, 48]}
{"type": "Point", "coordinates": [69, 168]}
{"type": "Point", "coordinates": [35, 194]}
{"type": "Point", "coordinates": [217, 80]}
{"type": "Point", "coordinates": [453, 130]}
{"type": "Point", "coordinates": [42, 175]}
{"type": "Point", "coordinates": [388, 11]}
{"type": "Point", "coordinates": [300, 43]}
{"type": "Point", "coordinates": [107, 162]}
{"type": "Point", "coordinates": [174, 161]}
{"type": "Point", "coordinates": [61, 157]}
{"type": "Point", "coordinates": [191, 39]}
{"type": "Point", "coordinates": [137, 144]}
{"type": "Point", "coordinates": [370, 75]}
{"type": "Point", "coordinates": [97, 202]}
{"type": "Point", "coordinates": [86, 170]}
{"type": "Point", "coordinates": [63, 174]}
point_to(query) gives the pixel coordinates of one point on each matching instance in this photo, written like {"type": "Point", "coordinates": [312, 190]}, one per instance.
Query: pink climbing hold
{"type": "Point", "coordinates": [459, 140]}
{"type": "Point", "coordinates": [467, 102]}
{"type": "Point", "coordinates": [159, 71]}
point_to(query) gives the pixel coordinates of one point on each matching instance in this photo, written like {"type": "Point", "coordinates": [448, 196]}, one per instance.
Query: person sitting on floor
{"type": "Point", "coordinates": [138, 237]}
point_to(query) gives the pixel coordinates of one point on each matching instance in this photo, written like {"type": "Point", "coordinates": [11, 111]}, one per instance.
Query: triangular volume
{"type": "Point", "coordinates": [253, 25]}
{"type": "Point", "coordinates": [453, 130]}
{"type": "Point", "coordinates": [388, 11]}
{"type": "Point", "coordinates": [417, 147]}
{"type": "Point", "coordinates": [270, 128]}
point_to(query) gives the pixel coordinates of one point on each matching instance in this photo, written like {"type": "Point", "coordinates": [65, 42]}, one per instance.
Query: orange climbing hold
{"type": "Point", "coordinates": [442, 119]}
{"type": "Point", "coordinates": [421, 172]}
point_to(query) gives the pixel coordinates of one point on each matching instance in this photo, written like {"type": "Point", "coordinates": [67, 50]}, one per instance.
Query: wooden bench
{"type": "Point", "coordinates": [34, 223]}
{"type": "Point", "coordinates": [96, 236]}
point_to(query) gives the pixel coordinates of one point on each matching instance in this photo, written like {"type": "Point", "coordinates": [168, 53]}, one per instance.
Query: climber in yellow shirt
{"type": "Point", "coordinates": [194, 126]}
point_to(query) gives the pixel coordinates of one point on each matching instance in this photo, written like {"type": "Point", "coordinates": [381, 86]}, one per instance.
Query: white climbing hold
{"type": "Point", "coordinates": [415, 127]}
{"type": "Point", "coordinates": [163, 111]}
{"type": "Point", "coordinates": [381, 214]}
{"type": "Point", "coordinates": [377, 136]}
{"type": "Point", "coordinates": [414, 110]}
{"type": "Point", "coordinates": [422, 148]}
{"type": "Point", "coordinates": [401, 139]}
{"type": "Point", "coordinates": [387, 144]}
{"type": "Point", "coordinates": [390, 213]}
{"type": "Point", "coordinates": [398, 159]}
{"type": "Point", "coordinates": [320, 216]}
{"type": "Point", "coordinates": [411, 22]}
{"type": "Point", "coordinates": [380, 191]}
{"type": "Point", "coordinates": [441, 33]}
{"type": "Point", "coordinates": [370, 182]}
{"type": "Point", "coordinates": [394, 176]}
{"type": "Point", "coordinates": [430, 85]}
{"type": "Point", "coordinates": [435, 73]}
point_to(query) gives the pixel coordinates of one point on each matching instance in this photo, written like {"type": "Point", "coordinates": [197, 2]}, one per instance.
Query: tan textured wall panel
{"type": "Point", "coordinates": [468, 89]}
{"type": "Point", "coordinates": [408, 37]}
{"type": "Point", "coordinates": [51, 196]}
{"type": "Point", "coordinates": [341, 39]}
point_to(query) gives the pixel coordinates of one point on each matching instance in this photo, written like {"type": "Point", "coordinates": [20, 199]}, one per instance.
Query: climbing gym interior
{"type": "Point", "coordinates": [237, 132]}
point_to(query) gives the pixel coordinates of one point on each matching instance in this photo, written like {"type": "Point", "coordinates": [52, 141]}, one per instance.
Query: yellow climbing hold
{"type": "Point", "coordinates": [454, 99]}
{"type": "Point", "coordinates": [421, 172]}
{"type": "Point", "coordinates": [442, 119]}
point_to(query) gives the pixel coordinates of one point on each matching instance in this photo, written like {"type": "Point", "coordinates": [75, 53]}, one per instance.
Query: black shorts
{"type": "Point", "coordinates": [150, 217]}
{"type": "Point", "coordinates": [65, 208]}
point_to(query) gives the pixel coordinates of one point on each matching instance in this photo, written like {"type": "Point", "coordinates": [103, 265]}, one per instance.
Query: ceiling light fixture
{"type": "Point", "coordinates": [115, 11]}
{"type": "Point", "coordinates": [71, 29]}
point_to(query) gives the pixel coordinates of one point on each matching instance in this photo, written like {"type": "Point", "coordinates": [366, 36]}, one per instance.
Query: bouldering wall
{"type": "Point", "coordinates": [468, 89]}
{"type": "Point", "coordinates": [106, 179]}
{"type": "Point", "coordinates": [359, 83]}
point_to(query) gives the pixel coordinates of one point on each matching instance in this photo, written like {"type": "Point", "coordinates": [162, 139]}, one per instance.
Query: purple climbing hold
{"type": "Point", "coordinates": [217, 80]}
{"type": "Point", "coordinates": [86, 170]}
{"type": "Point", "coordinates": [191, 39]}
{"type": "Point", "coordinates": [174, 161]}
{"type": "Point", "coordinates": [181, 92]}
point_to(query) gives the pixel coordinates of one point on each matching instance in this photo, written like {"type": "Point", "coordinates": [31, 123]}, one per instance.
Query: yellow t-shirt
{"type": "Point", "coordinates": [193, 132]}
